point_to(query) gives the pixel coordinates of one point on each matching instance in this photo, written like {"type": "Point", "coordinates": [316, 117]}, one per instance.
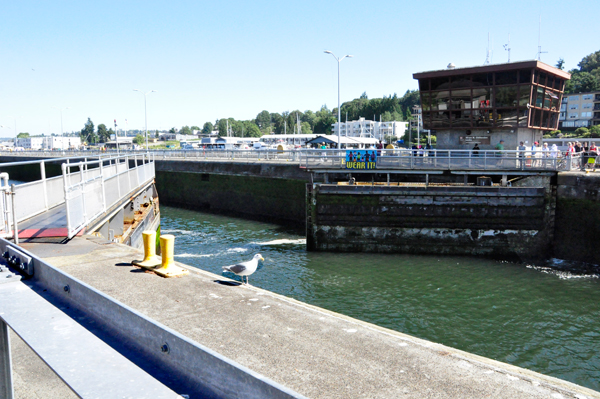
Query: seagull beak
{"type": "Point", "coordinates": [261, 258]}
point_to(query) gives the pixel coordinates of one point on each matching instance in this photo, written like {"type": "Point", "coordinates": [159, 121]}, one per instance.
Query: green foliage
{"type": "Point", "coordinates": [321, 122]}
{"type": "Point", "coordinates": [590, 62]}
{"type": "Point", "coordinates": [587, 77]}
{"type": "Point", "coordinates": [103, 135]}
{"type": "Point", "coordinates": [251, 130]}
{"type": "Point", "coordinates": [194, 128]}
{"type": "Point", "coordinates": [581, 82]}
{"type": "Point", "coordinates": [582, 132]}
{"type": "Point", "coordinates": [22, 135]}
{"type": "Point", "coordinates": [185, 130]}
{"type": "Point", "coordinates": [207, 128]}
{"type": "Point", "coordinates": [87, 133]}
{"type": "Point", "coordinates": [560, 64]}
{"type": "Point", "coordinates": [172, 130]}
{"type": "Point", "coordinates": [139, 140]}
{"type": "Point", "coordinates": [595, 131]}
{"type": "Point", "coordinates": [263, 120]}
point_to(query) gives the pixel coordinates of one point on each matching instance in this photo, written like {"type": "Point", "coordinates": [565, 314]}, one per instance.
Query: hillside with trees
{"type": "Point", "coordinates": [587, 77]}
{"type": "Point", "coordinates": [388, 108]}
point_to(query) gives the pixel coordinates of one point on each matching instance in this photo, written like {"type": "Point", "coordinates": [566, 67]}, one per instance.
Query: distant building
{"type": "Point", "coordinates": [30, 143]}
{"type": "Point", "coordinates": [371, 129]}
{"type": "Point", "coordinates": [514, 102]}
{"type": "Point", "coordinates": [49, 143]}
{"type": "Point", "coordinates": [580, 110]}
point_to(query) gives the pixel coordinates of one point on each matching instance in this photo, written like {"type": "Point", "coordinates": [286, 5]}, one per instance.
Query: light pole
{"type": "Point", "coordinates": [339, 110]}
{"type": "Point", "coordinates": [145, 113]}
{"type": "Point", "coordinates": [62, 139]}
{"type": "Point", "coordinates": [416, 109]}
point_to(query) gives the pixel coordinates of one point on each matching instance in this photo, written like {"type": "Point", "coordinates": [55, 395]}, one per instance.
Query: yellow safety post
{"type": "Point", "coordinates": [167, 250]}
{"type": "Point", "coordinates": [150, 259]}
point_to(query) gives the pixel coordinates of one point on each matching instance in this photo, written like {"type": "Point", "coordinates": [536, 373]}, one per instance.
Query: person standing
{"type": "Point", "coordinates": [521, 154]}
{"type": "Point", "coordinates": [476, 150]}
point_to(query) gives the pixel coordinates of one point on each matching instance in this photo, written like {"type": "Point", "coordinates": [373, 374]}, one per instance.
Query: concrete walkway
{"type": "Point", "coordinates": [318, 353]}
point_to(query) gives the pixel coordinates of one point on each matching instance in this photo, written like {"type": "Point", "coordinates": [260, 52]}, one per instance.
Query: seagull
{"type": "Point", "coordinates": [245, 268]}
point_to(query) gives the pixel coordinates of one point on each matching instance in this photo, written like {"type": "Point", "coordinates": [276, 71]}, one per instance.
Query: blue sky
{"type": "Point", "coordinates": [211, 60]}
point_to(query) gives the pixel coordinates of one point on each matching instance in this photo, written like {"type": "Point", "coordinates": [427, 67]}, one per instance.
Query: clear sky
{"type": "Point", "coordinates": [219, 59]}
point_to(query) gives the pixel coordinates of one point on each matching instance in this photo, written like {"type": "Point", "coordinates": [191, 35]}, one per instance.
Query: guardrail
{"type": "Point", "coordinates": [112, 174]}
{"type": "Point", "coordinates": [89, 193]}
{"type": "Point", "coordinates": [147, 360]}
{"type": "Point", "coordinates": [407, 159]}
{"type": "Point", "coordinates": [404, 159]}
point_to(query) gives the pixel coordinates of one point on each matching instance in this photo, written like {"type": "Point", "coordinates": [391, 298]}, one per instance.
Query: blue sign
{"type": "Point", "coordinates": [361, 159]}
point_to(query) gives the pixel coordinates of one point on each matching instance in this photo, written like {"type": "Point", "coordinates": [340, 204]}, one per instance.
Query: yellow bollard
{"type": "Point", "coordinates": [150, 259]}
{"type": "Point", "coordinates": [167, 250]}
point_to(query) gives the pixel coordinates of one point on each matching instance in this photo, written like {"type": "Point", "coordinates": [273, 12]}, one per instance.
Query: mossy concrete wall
{"type": "Point", "coordinates": [266, 191]}
{"type": "Point", "coordinates": [504, 222]}
{"type": "Point", "coordinates": [577, 234]}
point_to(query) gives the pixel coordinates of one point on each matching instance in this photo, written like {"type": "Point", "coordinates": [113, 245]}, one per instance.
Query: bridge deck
{"type": "Point", "coordinates": [52, 223]}
{"type": "Point", "coordinates": [313, 351]}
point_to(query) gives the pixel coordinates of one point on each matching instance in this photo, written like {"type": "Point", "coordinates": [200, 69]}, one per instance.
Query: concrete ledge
{"type": "Point", "coordinates": [313, 351]}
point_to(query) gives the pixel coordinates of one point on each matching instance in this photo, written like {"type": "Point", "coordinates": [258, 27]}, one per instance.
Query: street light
{"type": "Point", "coordinates": [416, 110]}
{"type": "Point", "coordinates": [339, 110]}
{"type": "Point", "coordinates": [62, 139]}
{"type": "Point", "coordinates": [145, 113]}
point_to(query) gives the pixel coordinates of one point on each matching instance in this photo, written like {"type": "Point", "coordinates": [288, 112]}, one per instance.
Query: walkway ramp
{"type": "Point", "coordinates": [64, 205]}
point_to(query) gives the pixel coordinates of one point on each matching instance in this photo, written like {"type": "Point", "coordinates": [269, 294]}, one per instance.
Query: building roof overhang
{"type": "Point", "coordinates": [509, 66]}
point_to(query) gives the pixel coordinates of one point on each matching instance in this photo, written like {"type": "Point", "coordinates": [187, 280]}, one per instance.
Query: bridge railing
{"type": "Point", "coordinates": [89, 192]}
{"type": "Point", "coordinates": [430, 159]}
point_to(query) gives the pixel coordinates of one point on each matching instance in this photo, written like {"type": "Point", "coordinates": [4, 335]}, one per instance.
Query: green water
{"type": "Point", "coordinates": [534, 317]}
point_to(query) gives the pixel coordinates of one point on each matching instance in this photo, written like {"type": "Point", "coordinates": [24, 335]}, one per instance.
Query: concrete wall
{"type": "Point", "coordinates": [578, 217]}
{"type": "Point", "coordinates": [504, 222]}
{"type": "Point", "coordinates": [265, 191]}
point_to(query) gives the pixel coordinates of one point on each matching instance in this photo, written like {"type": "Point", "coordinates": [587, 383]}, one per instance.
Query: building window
{"type": "Point", "coordinates": [573, 98]}
{"type": "Point", "coordinates": [588, 96]}
{"type": "Point", "coordinates": [573, 106]}
{"type": "Point", "coordinates": [587, 105]}
{"type": "Point", "coordinates": [573, 115]}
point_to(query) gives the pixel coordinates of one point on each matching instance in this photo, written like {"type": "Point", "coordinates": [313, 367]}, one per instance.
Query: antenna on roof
{"type": "Point", "coordinates": [507, 47]}
{"type": "Point", "coordinates": [487, 55]}
{"type": "Point", "coordinates": [540, 52]}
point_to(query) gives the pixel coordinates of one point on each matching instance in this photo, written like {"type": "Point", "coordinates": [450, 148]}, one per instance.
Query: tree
{"type": "Point", "coordinates": [582, 132]}
{"type": "Point", "coordinates": [207, 128]}
{"type": "Point", "coordinates": [590, 62]}
{"type": "Point", "coordinates": [324, 121]}
{"type": "Point", "coordinates": [103, 135]}
{"type": "Point", "coordinates": [595, 131]}
{"type": "Point", "coordinates": [251, 130]}
{"type": "Point", "coordinates": [194, 128]}
{"type": "Point", "coordinates": [222, 127]}
{"type": "Point", "coordinates": [173, 130]}
{"type": "Point", "coordinates": [581, 82]}
{"type": "Point", "coordinates": [139, 139]}
{"type": "Point", "coordinates": [185, 130]}
{"type": "Point", "coordinates": [560, 64]}
{"type": "Point", "coordinates": [87, 133]}
{"type": "Point", "coordinates": [305, 128]}
{"type": "Point", "coordinates": [263, 120]}
{"type": "Point", "coordinates": [22, 135]}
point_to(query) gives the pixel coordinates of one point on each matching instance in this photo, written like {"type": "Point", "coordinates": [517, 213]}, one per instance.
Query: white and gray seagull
{"type": "Point", "coordinates": [245, 268]}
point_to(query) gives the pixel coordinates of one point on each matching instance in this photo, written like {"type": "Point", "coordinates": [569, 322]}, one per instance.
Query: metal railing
{"type": "Point", "coordinates": [199, 154]}
{"type": "Point", "coordinates": [88, 193]}
{"type": "Point", "coordinates": [405, 159]}
{"type": "Point", "coordinates": [409, 159]}
{"type": "Point", "coordinates": [89, 190]}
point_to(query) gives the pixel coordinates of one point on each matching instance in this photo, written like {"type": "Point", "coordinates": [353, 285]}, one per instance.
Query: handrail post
{"type": "Point", "coordinates": [103, 186]}
{"type": "Point", "coordinates": [65, 172]}
{"type": "Point", "coordinates": [45, 188]}
{"type": "Point", "coordinates": [83, 193]}
{"type": "Point", "coordinates": [14, 211]}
